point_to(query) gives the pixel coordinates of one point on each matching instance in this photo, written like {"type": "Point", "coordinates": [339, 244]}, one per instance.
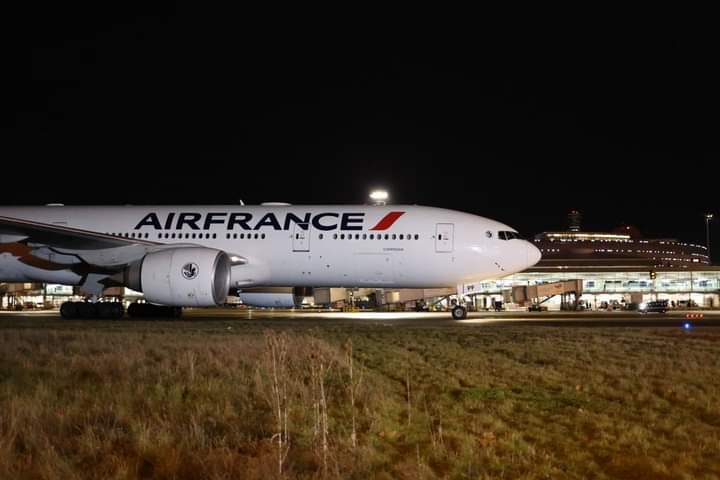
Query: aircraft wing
{"type": "Point", "coordinates": [69, 245]}
{"type": "Point", "coordinates": [61, 236]}
{"type": "Point", "coordinates": [93, 256]}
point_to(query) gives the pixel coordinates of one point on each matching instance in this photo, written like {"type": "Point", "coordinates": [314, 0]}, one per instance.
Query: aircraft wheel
{"type": "Point", "coordinates": [87, 310]}
{"type": "Point", "coordinates": [135, 310]}
{"type": "Point", "coordinates": [458, 312]}
{"type": "Point", "coordinates": [117, 310]}
{"type": "Point", "coordinates": [68, 310]}
{"type": "Point", "coordinates": [112, 310]}
{"type": "Point", "coordinates": [148, 310]}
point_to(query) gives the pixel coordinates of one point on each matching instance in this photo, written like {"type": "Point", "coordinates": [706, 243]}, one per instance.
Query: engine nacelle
{"type": "Point", "coordinates": [182, 277]}
{"type": "Point", "coordinates": [277, 297]}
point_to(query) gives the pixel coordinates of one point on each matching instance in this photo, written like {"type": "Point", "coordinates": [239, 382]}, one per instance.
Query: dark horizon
{"type": "Point", "coordinates": [175, 106]}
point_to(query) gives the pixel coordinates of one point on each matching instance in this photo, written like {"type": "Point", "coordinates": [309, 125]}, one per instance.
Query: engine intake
{"type": "Point", "coordinates": [182, 277]}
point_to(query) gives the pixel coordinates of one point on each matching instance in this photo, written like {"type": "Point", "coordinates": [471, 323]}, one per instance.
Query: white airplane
{"type": "Point", "coordinates": [194, 256]}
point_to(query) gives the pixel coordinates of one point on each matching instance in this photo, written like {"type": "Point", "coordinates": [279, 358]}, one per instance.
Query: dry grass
{"type": "Point", "coordinates": [198, 400]}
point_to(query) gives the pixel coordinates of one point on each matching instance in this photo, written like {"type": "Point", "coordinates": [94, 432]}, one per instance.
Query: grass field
{"type": "Point", "coordinates": [228, 399]}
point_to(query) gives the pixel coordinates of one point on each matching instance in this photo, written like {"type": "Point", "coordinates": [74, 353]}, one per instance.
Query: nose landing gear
{"type": "Point", "coordinates": [458, 312]}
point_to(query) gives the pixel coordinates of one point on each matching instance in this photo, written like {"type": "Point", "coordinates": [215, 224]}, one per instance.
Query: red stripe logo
{"type": "Point", "coordinates": [387, 221]}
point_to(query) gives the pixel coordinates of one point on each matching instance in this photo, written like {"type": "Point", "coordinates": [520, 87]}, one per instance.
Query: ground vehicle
{"type": "Point", "coordinates": [631, 306]}
{"type": "Point", "coordinates": [613, 305]}
{"type": "Point", "coordinates": [536, 307]}
{"type": "Point", "coordinates": [656, 306]}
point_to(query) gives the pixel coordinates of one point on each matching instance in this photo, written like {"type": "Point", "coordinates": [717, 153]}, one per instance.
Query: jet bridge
{"type": "Point", "coordinates": [569, 290]}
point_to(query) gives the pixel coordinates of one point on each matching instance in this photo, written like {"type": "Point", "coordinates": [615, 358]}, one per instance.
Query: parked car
{"type": "Point", "coordinates": [656, 306]}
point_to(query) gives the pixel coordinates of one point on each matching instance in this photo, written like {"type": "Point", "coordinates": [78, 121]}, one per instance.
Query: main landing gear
{"type": "Point", "coordinates": [111, 310]}
{"type": "Point", "coordinates": [148, 310]}
{"type": "Point", "coordinates": [458, 312]}
{"type": "Point", "coordinates": [115, 310]}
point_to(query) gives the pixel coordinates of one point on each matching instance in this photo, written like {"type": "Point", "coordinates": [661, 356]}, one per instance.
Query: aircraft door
{"type": "Point", "coordinates": [300, 239]}
{"type": "Point", "coordinates": [444, 237]}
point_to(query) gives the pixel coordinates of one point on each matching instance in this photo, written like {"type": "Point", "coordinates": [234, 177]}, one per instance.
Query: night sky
{"type": "Point", "coordinates": [174, 105]}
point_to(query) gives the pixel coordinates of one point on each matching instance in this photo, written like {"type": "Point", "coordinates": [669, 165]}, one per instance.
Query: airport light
{"type": "Point", "coordinates": [379, 197]}
{"type": "Point", "coordinates": [708, 217]}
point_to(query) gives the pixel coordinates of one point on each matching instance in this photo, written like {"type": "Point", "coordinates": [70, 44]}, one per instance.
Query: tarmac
{"type": "Point", "coordinates": [309, 318]}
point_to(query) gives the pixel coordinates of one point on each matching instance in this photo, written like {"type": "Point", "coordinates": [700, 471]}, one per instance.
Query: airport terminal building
{"type": "Point", "coordinates": [615, 268]}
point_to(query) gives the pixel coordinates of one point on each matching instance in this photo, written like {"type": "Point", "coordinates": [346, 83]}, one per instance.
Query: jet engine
{"type": "Point", "coordinates": [182, 277]}
{"type": "Point", "coordinates": [279, 297]}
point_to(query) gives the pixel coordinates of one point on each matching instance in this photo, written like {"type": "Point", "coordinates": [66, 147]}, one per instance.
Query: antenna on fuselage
{"type": "Point", "coordinates": [242, 203]}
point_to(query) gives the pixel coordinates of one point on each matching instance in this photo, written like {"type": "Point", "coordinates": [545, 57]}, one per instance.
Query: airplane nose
{"type": "Point", "coordinates": [533, 254]}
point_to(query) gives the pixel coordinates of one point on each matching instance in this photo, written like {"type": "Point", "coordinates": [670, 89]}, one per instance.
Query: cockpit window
{"type": "Point", "coordinates": [507, 235]}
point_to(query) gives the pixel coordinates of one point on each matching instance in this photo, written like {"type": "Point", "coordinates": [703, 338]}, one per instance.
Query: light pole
{"type": "Point", "coordinates": [708, 217]}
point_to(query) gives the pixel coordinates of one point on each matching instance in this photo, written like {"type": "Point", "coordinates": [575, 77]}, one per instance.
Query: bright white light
{"type": "Point", "coordinates": [643, 306]}
{"type": "Point", "coordinates": [379, 195]}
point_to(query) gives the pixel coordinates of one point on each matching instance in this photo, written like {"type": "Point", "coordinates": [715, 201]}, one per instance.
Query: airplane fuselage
{"type": "Point", "coordinates": [317, 246]}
